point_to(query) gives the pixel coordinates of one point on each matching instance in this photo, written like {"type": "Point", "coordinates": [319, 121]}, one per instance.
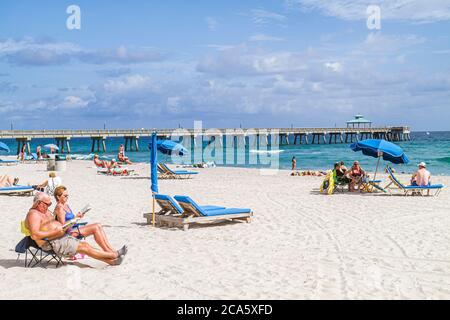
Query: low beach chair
{"type": "Point", "coordinates": [8, 162]}
{"type": "Point", "coordinates": [178, 174]}
{"type": "Point", "coordinates": [17, 190]}
{"type": "Point", "coordinates": [410, 189]}
{"type": "Point", "coordinates": [28, 246]}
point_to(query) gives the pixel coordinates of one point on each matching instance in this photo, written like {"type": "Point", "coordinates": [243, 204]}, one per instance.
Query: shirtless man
{"type": "Point", "coordinates": [421, 177]}
{"type": "Point", "coordinates": [42, 225]}
{"type": "Point", "coordinates": [121, 155]}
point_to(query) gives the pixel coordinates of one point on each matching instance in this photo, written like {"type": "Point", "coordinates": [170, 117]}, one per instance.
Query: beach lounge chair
{"type": "Point", "coordinates": [179, 174]}
{"type": "Point", "coordinates": [8, 162]}
{"type": "Point", "coordinates": [115, 171]}
{"type": "Point", "coordinates": [164, 174]}
{"type": "Point", "coordinates": [419, 190]}
{"type": "Point", "coordinates": [170, 207]}
{"type": "Point", "coordinates": [17, 190]}
{"type": "Point", "coordinates": [28, 246]}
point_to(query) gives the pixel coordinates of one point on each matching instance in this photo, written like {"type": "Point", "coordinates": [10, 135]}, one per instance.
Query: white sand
{"type": "Point", "coordinates": [300, 244]}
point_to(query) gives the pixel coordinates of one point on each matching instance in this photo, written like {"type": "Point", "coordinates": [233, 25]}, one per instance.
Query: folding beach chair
{"type": "Point", "coordinates": [28, 246]}
{"type": "Point", "coordinates": [17, 190]}
{"type": "Point", "coordinates": [410, 189]}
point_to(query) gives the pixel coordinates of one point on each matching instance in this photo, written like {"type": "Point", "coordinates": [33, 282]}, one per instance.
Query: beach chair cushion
{"type": "Point", "coordinates": [183, 200]}
{"type": "Point", "coordinates": [166, 202]}
{"type": "Point", "coordinates": [180, 172]}
{"type": "Point", "coordinates": [16, 188]}
{"type": "Point", "coordinates": [164, 199]}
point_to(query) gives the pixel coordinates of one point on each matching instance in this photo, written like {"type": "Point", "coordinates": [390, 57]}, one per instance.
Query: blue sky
{"type": "Point", "coordinates": [228, 63]}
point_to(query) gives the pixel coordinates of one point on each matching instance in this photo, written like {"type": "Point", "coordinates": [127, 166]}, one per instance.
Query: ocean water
{"type": "Point", "coordinates": [432, 147]}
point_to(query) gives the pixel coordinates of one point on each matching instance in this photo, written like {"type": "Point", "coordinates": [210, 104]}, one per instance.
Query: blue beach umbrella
{"type": "Point", "coordinates": [379, 148]}
{"type": "Point", "coordinates": [154, 171]}
{"type": "Point", "coordinates": [51, 146]}
{"type": "Point", "coordinates": [4, 147]}
{"type": "Point", "coordinates": [170, 147]}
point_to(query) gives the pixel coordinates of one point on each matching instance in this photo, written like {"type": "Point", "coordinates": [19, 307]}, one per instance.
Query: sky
{"type": "Point", "coordinates": [253, 63]}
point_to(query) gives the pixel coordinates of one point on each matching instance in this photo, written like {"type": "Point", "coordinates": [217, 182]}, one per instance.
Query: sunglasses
{"type": "Point", "coordinates": [47, 204]}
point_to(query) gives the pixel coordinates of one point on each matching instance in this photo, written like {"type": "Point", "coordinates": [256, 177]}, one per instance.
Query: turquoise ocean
{"type": "Point", "coordinates": [431, 147]}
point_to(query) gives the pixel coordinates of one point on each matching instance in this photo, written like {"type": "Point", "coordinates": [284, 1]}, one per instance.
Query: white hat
{"type": "Point", "coordinates": [422, 164]}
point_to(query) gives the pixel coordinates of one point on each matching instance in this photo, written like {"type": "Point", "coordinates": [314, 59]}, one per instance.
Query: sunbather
{"type": "Point", "coordinates": [7, 181]}
{"type": "Point", "coordinates": [422, 177]}
{"type": "Point", "coordinates": [356, 175]}
{"type": "Point", "coordinates": [49, 234]}
{"type": "Point", "coordinates": [340, 173]}
{"type": "Point", "coordinates": [64, 213]}
{"type": "Point", "coordinates": [105, 164]}
{"type": "Point", "coordinates": [121, 156]}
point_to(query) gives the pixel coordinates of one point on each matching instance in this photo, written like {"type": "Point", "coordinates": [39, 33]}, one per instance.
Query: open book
{"type": "Point", "coordinates": [85, 209]}
{"type": "Point", "coordinates": [70, 223]}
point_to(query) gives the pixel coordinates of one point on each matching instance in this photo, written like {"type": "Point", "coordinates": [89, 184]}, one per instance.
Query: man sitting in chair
{"type": "Point", "coordinates": [422, 176]}
{"type": "Point", "coordinates": [50, 234]}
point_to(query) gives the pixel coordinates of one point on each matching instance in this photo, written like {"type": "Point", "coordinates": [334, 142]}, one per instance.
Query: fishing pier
{"type": "Point", "coordinates": [250, 136]}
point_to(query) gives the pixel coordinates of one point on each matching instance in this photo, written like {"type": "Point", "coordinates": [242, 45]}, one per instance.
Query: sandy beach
{"type": "Point", "coordinates": [299, 245]}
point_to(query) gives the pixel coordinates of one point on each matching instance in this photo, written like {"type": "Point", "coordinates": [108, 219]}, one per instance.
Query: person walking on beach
{"type": "Point", "coordinates": [42, 225]}
{"type": "Point", "coordinates": [294, 163]}
{"type": "Point", "coordinates": [39, 152]}
{"type": "Point", "coordinates": [22, 153]}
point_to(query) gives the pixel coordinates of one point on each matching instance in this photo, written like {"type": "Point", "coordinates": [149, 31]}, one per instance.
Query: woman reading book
{"type": "Point", "coordinates": [64, 214]}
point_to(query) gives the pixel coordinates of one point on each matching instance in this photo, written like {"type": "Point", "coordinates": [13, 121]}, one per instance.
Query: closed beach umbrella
{"type": "Point", "coordinates": [380, 148]}
{"type": "Point", "coordinates": [51, 146]}
{"type": "Point", "coordinates": [4, 147]}
{"type": "Point", "coordinates": [154, 171]}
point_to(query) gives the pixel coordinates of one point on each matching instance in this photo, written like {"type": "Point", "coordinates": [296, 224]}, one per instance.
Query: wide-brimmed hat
{"type": "Point", "coordinates": [422, 164]}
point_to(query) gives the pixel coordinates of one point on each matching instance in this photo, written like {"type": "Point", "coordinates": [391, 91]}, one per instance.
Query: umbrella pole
{"type": "Point", "coordinates": [376, 170]}
{"type": "Point", "coordinates": [153, 215]}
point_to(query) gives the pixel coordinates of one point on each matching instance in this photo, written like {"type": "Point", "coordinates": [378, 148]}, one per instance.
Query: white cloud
{"type": "Point", "coordinates": [261, 17]}
{"type": "Point", "coordinates": [30, 51]}
{"type": "Point", "coordinates": [70, 102]}
{"type": "Point", "coordinates": [407, 10]}
{"type": "Point", "coordinates": [129, 83]}
{"type": "Point", "coordinates": [212, 23]}
{"type": "Point", "coordinates": [263, 37]}
{"type": "Point", "coordinates": [335, 66]}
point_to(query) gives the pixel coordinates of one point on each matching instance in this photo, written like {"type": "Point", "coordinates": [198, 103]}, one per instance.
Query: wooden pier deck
{"type": "Point", "coordinates": [263, 135]}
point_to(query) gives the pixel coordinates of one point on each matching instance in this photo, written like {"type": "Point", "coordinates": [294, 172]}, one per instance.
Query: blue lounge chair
{"type": "Point", "coordinates": [411, 189]}
{"type": "Point", "coordinates": [17, 190]}
{"type": "Point", "coordinates": [177, 173]}
{"type": "Point", "coordinates": [170, 207]}
{"type": "Point", "coordinates": [8, 162]}
{"type": "Point", "coordinates": [193, 208]}
{"type": "Point", "coordinates": [191, 212]}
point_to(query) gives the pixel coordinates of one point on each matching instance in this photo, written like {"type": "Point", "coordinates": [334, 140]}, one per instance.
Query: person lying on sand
{"type": "Point", "coordinates": [7, 181]}
{"type": "Point", "coordinates": [105, 164]}
{"type": "Point", "coordinates": [42, 225]}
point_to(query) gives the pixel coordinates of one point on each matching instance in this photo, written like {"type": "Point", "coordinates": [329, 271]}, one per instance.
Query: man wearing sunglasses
{"type": "Point", "coordinates": [42, 225]}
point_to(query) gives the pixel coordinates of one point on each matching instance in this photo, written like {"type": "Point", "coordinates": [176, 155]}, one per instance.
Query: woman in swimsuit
{"type": "Point", "coordinates": [356, 174]}
{"type": "Point", "coordinates": [63, 214]}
